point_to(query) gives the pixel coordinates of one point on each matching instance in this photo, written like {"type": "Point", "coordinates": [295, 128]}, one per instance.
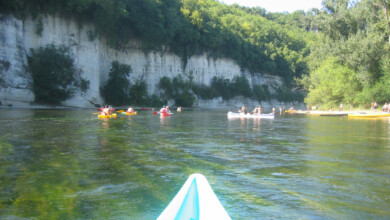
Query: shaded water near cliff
{"type": "Point", "coordinates": [63, 164]}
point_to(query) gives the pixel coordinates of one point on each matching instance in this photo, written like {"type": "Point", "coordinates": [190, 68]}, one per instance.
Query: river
{"type": "Point", "coordinates": [67, 164]}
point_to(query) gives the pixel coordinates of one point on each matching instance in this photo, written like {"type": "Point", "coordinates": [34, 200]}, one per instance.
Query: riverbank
{"type": "Point", "coordinates": [217, 103]}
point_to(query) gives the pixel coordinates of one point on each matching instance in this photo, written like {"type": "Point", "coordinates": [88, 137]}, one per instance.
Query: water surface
{"type": "Point", "coordinates": [67, 164]}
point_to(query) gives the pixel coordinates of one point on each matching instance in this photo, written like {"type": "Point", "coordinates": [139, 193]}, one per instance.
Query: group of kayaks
{"type": "Point", "coordinates": [167, 114]}
{"type": "Point", "coordinates": [114, 115]}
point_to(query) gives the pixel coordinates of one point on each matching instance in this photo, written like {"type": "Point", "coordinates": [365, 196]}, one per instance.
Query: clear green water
{"type": "Point", "coordinates": [63, 164]}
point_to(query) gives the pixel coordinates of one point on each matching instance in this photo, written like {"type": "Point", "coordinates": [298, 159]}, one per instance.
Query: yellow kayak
{"type": "Point", "coordinates": [128, 113]}
{"type": "Point", "coordinates": [107, 116]}
{"type": "Point", "coordinates": [296, 111]}
{"type": "Point", "coordinates": [369, 115]}
{"type": "Point", "coordinates": [291, 111]}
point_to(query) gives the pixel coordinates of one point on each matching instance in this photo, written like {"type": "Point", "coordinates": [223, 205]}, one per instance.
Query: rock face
{"type": "Point", "coordinates": [93, 56]}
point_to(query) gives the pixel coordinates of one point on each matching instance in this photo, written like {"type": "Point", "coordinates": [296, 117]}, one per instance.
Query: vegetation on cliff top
{"type": "Point", "coordinates": [344, 46]}
{"type": "Point", "coordinates": [187, 27]}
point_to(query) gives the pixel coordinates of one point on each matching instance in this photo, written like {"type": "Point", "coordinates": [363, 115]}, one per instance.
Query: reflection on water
{"type": "Point", "coordinates": [63, 164]}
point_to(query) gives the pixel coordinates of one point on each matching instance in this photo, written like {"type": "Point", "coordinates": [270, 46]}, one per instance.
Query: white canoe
{"type": "Point", "coordinates": [195, 200]}
{"type": "Point", "coordinates": [242, 115]}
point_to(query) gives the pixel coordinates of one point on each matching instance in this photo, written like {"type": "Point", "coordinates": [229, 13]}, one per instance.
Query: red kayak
{"type": "Point", "coordinates": [164, 114]}
{"type": "Point", "coordinates": [146, 108]}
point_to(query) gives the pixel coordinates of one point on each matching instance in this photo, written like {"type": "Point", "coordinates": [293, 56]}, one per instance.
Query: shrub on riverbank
{"type": "Point", "coordinates": [116, 90]}
{"type": "Point", "coordinates": [54, 74]}
{"type": "Point", "coordinates": [182, 90]}
{"type": "Point", "coordinates": [120, 91]}
{"type": "Point", "coordinates": [178, 89]}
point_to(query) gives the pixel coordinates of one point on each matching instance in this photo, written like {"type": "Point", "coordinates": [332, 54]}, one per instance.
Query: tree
{"type": "Point", "coordinates": [381, 10]}
{"type": "Point", "coordinates": [55, 76]}
{"type": "Point", "coordinates": [116, 90]}
{"type": "Point", "coordinates": [331, 84]}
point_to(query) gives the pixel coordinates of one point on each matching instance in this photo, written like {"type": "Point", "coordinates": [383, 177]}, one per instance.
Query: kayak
{"type": "Point", "coordinates": [242, 115]}
{"type": "Point", "coordinates": [195, 200]}
{"type": "Point", "coordinates": [165, 114]}
{"type": "Point", "coordinates": [291, 111]}
{"type": "Point", "coordinates": [322, 113]}
{"type": "Point", "coordinates": [107, 116]}
{"type": "Point", "coordinates": [132, 113]}
{"type": "Point", "coordinates": [296, 111]}
{"type": "Point", "coordinates": [330, 115]}
{"type": "Point", "coordinates": [369, 115]}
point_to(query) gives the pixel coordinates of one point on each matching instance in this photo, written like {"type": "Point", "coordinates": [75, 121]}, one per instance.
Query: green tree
{"type": "Point", "coordinates": [178, 89]}
{"type": "Point", "coordinates": [55, 76]}
{"type": "Point", "coordinates": [379, 92]}
{"type": "Point", "coordinates": [261, 92]}
{"type": "Point", "coordinates": [116, 90]}
{"type": "Point", "coordinates": [138, 93]}
{"type": "Point", "coordinates": [240, 86]}
{"type": "Point", "coordinates": [332, 83]}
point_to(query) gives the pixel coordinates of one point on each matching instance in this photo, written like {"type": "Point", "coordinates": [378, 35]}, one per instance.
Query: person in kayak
{"type": "Point", "coordinates": [105, 111]}
{"type": "Point", "coordinates": [243, 110]}
{"type": "Point", "coordinates": [179, 109]}
{"type": "Point", "coordinates": [167, 110]}
{"type": "Point", "coordinates": [130, 110]}
{"type": "Point", "coordinates": [162, 110]}
{"type": "Point", "coordinates": [258, 110]}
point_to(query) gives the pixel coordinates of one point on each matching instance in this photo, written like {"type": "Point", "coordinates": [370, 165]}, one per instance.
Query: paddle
{"type": "Point", "coordinates": [96, 113]}
{"type": "Point", "coordinates": [156, 113]}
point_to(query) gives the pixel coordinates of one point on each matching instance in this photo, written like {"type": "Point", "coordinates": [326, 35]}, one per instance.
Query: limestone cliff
{"type": "Point", "coordinates": [93, 56]}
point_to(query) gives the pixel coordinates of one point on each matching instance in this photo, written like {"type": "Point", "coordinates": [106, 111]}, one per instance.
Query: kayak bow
{"type": "Point", "coordinates": [195, 200]}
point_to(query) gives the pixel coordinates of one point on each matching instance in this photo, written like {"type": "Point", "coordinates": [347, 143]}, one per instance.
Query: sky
{"type": "Point", "coordinates": [278, 5]}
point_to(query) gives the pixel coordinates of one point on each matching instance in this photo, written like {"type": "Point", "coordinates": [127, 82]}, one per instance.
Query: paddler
{"type": "Point", "coordinates": [243, 110]}
{"type": "Point", "coordinates": [105, 111]}
{"type": "Point", "coordinates": [163, 109]}
{"type": "Point", "coordinates": [130, 110]}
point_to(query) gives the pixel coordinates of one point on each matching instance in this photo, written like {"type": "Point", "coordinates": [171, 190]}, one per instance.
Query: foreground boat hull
{"type": "Point", "coordinates": [195, 200]}
{"type": "Point", "coordinates": [242, 115]}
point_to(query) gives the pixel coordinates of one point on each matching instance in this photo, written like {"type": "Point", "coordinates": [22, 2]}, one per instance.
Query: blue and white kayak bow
{"type": "Point", "coordinates": [195, 200]}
